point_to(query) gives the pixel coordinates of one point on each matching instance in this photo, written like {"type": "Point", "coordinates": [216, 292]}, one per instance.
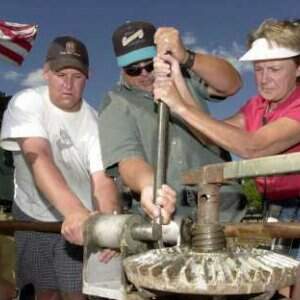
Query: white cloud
{"type": "Point", "coordinates": [33, 79]}
{"type": "Point", "coordinates": [232, 54]}
{"type": "Point", "coordinates": [11, 75]}
{"type": "Point", "coordinates": [189, 39]}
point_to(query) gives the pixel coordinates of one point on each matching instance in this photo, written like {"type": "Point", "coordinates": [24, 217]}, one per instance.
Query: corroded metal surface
{"type": "Point", "coordinates": [207, 238]}
{"type": "Point", "coordinates": [220, 173]}
{"type": "Point", "coordinates": [180, 270]}
{"type": "Point", "coordinates": [206, 266]}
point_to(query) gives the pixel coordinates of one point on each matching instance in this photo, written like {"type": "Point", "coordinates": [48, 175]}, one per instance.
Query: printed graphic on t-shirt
{"type": "Point", "coordinates": [64, 141]}
{"type": "Point", "coordinates": [64, 146]}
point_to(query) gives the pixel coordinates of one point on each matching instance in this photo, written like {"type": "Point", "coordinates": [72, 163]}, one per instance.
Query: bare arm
{"type": "Point", "coordinates": [106, 197]}
{"type": "Point", "coordinates": [138, 175]}
{"type": "Point", "coordinates": [48, 178]}
{"type": "Point", "coordinates": [53, 186]}
{"type": "Point", "coordinates": [230, 134]}
{"type": "Point", "coordinates": [220, 76]}
{"type": "Point", "coordinates": [236, 120]}
{"type": "Point", "coordinates": [271, 139]}
{"type": "Point", "coordinates": [105, 193]}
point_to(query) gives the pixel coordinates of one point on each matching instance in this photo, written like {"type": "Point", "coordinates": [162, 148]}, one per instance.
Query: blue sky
{"type": "Point", "coordinates": [213, 26]}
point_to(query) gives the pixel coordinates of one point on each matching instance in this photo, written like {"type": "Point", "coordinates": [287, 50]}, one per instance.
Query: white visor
{"type": "Point", "coordinates": [262, 49]}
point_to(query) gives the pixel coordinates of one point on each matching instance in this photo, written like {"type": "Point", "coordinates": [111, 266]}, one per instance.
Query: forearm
{"type": "Point", "coordinates": [219, 74]}
{"type": "Point", "coordinates": [236, 140]}
{"type": "Point", "coordinates": [105, 193]}
{"type": "Point", "coordinates": [189, 101]}
{"type": "Point", "coordinates": [136, 173]}
{"type": "Point", "coordinates": [48, 178]}
{"type": "Point", "coordinates": [54, 187]}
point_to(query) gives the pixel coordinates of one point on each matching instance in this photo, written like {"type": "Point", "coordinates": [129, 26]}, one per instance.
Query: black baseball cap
{"type": "Point", "coordinates": [68, 52]}
{"type": "Point", "coordinates": [133, 42]}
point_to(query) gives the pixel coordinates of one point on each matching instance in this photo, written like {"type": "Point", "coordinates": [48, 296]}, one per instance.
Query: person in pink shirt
{"type": "Point", "coordinates": [268, 124]}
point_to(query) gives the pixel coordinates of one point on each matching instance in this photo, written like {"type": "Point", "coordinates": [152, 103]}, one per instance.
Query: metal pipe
{"type": "Point", "coordinates": [162, 146]}
{"type": "Point", "coordinates": [208, 204]}
{"type": "Point", "coordinates": [171, 232]}
{"type": "Point", "coordinates": [161, 163]}
{"type": "Point", "coordinates": [8, 227]}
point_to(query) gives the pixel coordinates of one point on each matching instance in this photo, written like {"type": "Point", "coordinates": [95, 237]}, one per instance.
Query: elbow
{"type": "Point", "coordinates": [249, 153]}
{"type": "Point", "coordinates": [229, 88]}
{"type": "Point", "coordinates": [234, 86]}
{"type": "Point", "coordinates": [249, 148]}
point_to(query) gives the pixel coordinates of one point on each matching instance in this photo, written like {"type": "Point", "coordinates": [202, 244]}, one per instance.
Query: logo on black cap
{"type": "Point", "coordinates": [137, 35]}
{"type": "Point", "coordinates": [70, 49]}
{"type": "Point", "coordinates": [68, 52]}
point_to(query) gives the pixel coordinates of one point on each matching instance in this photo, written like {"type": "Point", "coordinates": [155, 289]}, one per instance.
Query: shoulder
{"type": "Point", "coordinates": [292, 108]}
{"type": "Point", "coordinates": [91, 111]}
{"type": "Point", "coordinates": [117, 98]}
{"type": "Point", "coordinates": [29, 99]}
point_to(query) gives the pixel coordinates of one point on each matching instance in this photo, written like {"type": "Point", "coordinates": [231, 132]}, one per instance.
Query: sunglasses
{"type": "Point", "coordinates": [136, 70]}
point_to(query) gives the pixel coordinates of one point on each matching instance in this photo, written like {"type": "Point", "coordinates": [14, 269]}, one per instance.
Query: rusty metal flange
{"type": "Point", "coordinates": [180, 270]}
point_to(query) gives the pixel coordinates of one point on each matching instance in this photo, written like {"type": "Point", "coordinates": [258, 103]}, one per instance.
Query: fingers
{"type": "Point", "coordinates": [166, 64]}
{"type": "Point", "coordinates": [161, 66]}
{"type": "Point", "coordinates": [168, 40]}
{"type": "Point", "coordinates": [72, 227]}
{"type": "Point", "coordinates": [106, 255]}
{"type": "Point", "coordinates": [167, 74]}
{"type": "Point", "coordinates": [162, 87]}
{"type": "Point", "coordinates": [166, 200]}
{"type": "Point", "coordinates": [163, 81]}
{"type": "Point", "coordinates": [147, 202]}
{"type": "Point", "coordinates": [74, 236]}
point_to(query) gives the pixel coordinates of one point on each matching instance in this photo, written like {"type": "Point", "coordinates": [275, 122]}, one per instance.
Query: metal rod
{"type": "Point", "coordinates": [10, 226]}
{"type": "Point", "coordinates": [286, 230]}
{"type": "Point", "coordinates": [161, 162]}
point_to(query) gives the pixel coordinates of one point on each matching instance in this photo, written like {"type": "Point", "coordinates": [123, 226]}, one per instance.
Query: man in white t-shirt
{"type": "Point", "coordinates": [59, 174]}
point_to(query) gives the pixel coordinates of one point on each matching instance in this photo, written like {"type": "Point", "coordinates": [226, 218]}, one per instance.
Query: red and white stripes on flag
{"type": "Point", "coordinates": [16, 41]}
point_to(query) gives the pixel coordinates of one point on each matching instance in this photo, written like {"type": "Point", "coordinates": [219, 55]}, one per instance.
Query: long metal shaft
{"type": "Point", "coordinates": [8, 227]}
{"type": "Point", "coordinates": [286, 230]}
{"type": "Point", "coordinates": [161, 162]}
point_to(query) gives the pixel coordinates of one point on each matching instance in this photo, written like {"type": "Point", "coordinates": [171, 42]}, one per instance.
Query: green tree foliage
{"type": "Point", "coordinates": [253, 196]}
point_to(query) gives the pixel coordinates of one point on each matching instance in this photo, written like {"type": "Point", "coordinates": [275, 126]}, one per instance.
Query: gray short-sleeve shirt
{"type": "Point", "coordinates": [128, 128]}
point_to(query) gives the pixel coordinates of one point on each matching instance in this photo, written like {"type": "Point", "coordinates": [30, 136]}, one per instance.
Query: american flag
{"type": "Point", "coordinates": [16, 41]}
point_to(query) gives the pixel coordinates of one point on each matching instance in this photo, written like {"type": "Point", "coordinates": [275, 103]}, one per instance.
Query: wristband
{"type": "Point", "coordinates": [189, 62]}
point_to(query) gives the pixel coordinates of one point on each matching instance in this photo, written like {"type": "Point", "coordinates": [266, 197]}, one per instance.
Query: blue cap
{"type": "Point", "coordinates": [133, 42]}
{"type": "Point", "coordinates": [136, 55]}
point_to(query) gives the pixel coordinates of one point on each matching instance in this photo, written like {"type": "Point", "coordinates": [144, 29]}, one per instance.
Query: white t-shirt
{"type": "Point", "coordinates": [74, 141]}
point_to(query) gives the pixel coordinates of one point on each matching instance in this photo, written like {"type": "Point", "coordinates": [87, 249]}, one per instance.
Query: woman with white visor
{"type": "Point", "coordinates": [268, 124]}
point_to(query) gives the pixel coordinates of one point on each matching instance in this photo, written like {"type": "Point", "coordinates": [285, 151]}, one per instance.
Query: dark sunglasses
{"type": "Point", "coordinates": [136, 70]}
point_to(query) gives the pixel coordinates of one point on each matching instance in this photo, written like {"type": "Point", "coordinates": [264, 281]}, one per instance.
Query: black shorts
{"type": "Point", "coordinates": [47, 260]}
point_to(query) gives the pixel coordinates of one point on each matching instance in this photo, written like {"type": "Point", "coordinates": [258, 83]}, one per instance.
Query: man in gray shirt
{"type": "Point", "coordinates": [128, 117]}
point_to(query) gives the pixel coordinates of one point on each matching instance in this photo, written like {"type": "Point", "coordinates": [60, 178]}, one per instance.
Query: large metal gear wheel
{"type": "Point", "coordinates": [181, 270]}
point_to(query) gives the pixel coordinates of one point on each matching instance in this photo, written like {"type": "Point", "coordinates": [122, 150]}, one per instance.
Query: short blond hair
{"type": "Point", "coordinates": [285, 33]}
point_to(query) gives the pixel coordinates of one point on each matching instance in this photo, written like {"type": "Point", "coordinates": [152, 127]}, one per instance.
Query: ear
{"type": "Point", "coordinates": [46, 72]}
